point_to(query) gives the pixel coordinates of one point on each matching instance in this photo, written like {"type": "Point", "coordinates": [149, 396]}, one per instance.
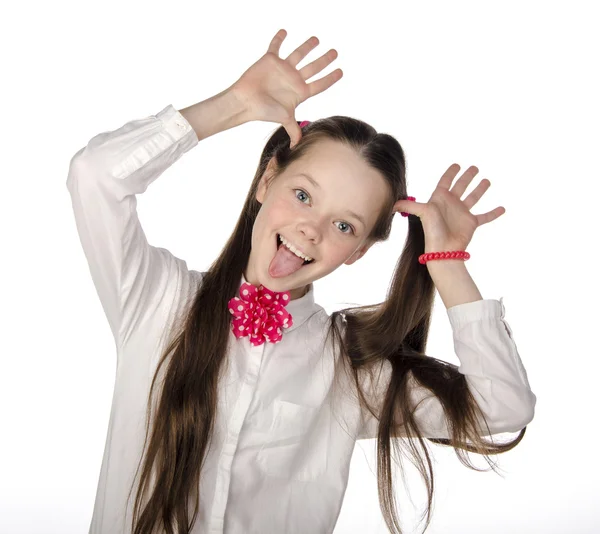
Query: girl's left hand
{"type": "Point", "coordinates": [447, 221]}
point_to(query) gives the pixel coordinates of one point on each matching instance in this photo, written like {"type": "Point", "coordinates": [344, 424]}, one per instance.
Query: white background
{"type": "Point", "coordinates": [511, 87]}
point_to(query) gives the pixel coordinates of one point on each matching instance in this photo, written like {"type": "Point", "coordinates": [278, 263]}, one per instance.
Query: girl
{"type": "Point", "coordinates": [238, 400]}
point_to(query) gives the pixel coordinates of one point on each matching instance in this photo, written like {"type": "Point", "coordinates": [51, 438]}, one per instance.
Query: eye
{"type": "Point", "coordinates": [347, 224]}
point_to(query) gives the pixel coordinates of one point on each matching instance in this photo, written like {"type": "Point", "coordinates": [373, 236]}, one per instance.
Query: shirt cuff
{"type": "Point", "coordinates": [463, 314]}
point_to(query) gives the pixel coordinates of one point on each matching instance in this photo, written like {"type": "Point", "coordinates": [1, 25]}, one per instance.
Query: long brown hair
{"type": "Point", "coordinates": [395, 331]}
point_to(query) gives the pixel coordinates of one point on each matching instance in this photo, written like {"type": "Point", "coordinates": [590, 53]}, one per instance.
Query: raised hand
{"type": "Point", "coordinates": [448, 223]}
{"type": "Point", "coordinates": [272, 87]}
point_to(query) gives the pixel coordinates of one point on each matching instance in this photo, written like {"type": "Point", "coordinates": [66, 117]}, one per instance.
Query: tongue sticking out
{"type": "Point", "coordinates": [284, 263]}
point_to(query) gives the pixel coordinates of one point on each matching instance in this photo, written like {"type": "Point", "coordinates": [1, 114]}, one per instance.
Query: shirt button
{"type": "Point", "coordinates": [182, 126]}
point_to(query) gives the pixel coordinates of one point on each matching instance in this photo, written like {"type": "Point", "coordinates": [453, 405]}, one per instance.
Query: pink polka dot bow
{"type": "Point", "coordinates": [260, 314]}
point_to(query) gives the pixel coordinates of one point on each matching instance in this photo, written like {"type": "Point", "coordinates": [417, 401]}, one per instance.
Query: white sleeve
{"type": "Point", "coordinates": [131, 277]}
{"type": "Point", "coordinates": [484, 344]}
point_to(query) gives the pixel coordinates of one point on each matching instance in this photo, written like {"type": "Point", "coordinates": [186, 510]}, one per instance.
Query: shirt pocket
{"type": "Point", "coordinates": [297, 445]}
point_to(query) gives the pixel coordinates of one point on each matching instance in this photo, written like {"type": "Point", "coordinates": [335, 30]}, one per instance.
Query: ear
{"type": "Point", "coordinates": [265, 180]}
{"type": "Point", "coordinates": [358, 254]}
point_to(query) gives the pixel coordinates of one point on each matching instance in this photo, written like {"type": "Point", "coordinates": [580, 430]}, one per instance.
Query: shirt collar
{"type": "Point", "coordinates": [300, 309]}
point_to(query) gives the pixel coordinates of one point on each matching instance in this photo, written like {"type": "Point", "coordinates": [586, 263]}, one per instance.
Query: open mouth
{"type": "Point", "coordinates": [279, 243]}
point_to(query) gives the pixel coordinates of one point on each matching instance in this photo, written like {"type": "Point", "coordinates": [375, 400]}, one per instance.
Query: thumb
{"type": "Point", "coordinates": [294, 131]}
{"type": "Point", "coordinates": [409, 206]}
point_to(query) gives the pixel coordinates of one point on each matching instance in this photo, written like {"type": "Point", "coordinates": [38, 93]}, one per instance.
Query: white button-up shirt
{"type": "Point", "coordinates": [284, 436]}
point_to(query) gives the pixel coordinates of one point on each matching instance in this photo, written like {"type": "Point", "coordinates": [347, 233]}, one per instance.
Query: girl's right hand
{"type": "Point", "coordinates": [272, 88]}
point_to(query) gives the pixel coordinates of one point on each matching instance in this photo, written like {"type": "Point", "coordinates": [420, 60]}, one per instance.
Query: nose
{"type": "Point", "coordinates": [310, 232]}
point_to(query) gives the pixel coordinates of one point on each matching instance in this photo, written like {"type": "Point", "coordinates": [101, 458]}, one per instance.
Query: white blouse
{"type": "Point", "coordinates": [284, 435]}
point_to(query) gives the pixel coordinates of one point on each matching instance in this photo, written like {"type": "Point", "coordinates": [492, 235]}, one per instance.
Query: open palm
{"type": "Point", "coordinates": [272, 87]}
{"type": "Point", "coordinates": [448, 223]}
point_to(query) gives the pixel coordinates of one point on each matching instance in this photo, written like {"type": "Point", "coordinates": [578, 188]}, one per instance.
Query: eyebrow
{"type": "Point", "coordinates": [349, 212]}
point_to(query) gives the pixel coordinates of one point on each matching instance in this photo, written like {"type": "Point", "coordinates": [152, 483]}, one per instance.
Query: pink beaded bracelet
{"type": "Point", "coordinates": [450, 255]}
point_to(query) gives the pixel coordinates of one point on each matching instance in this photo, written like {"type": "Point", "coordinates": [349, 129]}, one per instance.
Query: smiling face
{"type": "Point", "coordinates": [315, 217]}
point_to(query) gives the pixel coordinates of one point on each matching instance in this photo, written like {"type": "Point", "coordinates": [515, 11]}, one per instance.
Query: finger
{"type": "Point", "coordinates": [490, 215]}
{"type": "Point", "coordinates": [318, 86]}
{"type": "Point", "coordinates": [448, 176]}
{"type": "Point", "coordinates": [318, 65]}
{"type": "Point", "coordinates": [300, 53]}
{"type": "Point", "coordinates": [293, 130]}
{"type": "Point", "coordinates": [276, 42]}
{"type": "Point", "coordinates": [463, 182]}
{"type": "Point", "coordinates": [409, 206]}
{"type": "Point", "coordinates": [477, 193]}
